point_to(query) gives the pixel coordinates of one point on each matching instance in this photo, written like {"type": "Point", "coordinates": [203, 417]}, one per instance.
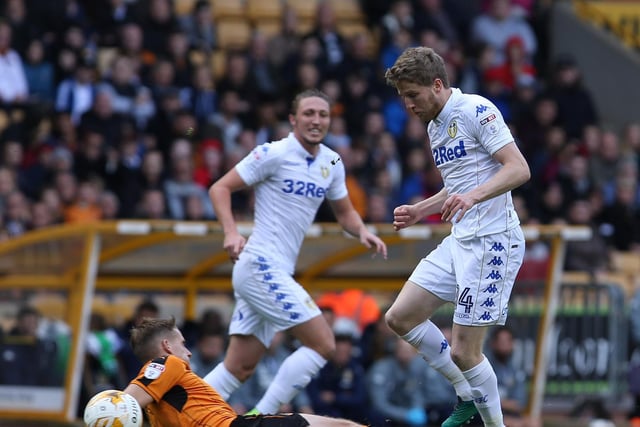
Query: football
{"type": "Point", "coordinates": [113, 408]}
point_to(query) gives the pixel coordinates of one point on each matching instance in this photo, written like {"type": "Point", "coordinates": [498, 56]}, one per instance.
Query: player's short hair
{"type": "Point", "coordinates": [419, 65]}
{"type": "Point", "coordinates": [309, 93]}
{"type": "Point", "coordinates": [145, 337]}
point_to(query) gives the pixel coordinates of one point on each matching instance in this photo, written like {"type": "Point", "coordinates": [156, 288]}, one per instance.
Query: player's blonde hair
{"type": "Point", "coordinates": [145, 337]}
{"type": "Point", "coordinates": [308, 94]}
{"type": "Point", "coordinates": [419, 65]}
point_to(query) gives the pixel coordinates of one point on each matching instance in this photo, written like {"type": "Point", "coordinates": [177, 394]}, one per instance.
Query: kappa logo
{"type": "Point", "coordinates": [452, 129]}
{"type": "Point", "coordinates": [481, 109]}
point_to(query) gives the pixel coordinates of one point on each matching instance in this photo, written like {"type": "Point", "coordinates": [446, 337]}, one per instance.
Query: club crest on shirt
{"type": "Point", "coordinates": [153, 371]}
{"type": "Point", "coordinates": [452, 129]}
{"type": "Point", "coordinates": [324, 171]}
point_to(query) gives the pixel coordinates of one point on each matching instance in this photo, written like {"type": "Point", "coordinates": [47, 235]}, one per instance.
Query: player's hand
{"type": "Point", "coordinates": [456, 205]}
{"type": "Point", "coordinates": [370, 240]}
{"type": "Point", "coordinates": [405, 216]}
{"type": "Point", "coordinates": [234, 243]}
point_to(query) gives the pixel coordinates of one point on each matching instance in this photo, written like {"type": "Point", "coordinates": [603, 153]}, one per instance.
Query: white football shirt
{"type": "Point", "coordinates": [289, 186]}
{"type": "Point", "coordinates": [463, 138]}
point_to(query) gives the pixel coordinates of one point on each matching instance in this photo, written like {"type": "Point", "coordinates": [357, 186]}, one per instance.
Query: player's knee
{"type": "Point", "coordinates": [464, 358]}
{"type": "Point", "coordinates": [242, 371]}
{"type": "Point", "coordinates": [396, 323]}
{"type": "Point", "coordinates": [326, 349]}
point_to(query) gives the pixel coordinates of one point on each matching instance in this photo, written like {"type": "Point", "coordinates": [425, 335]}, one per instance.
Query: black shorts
{"type": "Point", "coordinates": [280, 420]}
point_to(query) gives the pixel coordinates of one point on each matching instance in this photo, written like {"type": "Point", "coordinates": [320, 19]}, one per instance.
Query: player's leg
{"type": "Point", "coordinates": [302, 365]}
{"type": "Point", "coordinates": [486, 269]}
{"type": "Point", "coordinates": [280, 303]}
{"type": "Point", "coordinates": [431, 284]}
{"type": "Point", "coordinates": [242, 355]}
{"type": "Point", "coordinates": [248, 342]}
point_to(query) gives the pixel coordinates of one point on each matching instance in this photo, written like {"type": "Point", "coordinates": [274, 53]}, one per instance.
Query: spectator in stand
{"type": "Point", "coordinates": [621, 219]}
{"type": "Point", "coordinates": [360, 59]}
{"type": "Point", "coordinates": [41, 216]}
{"type": "Point", "coordinates": [130, 44]}
{"type": "Point", "coordinates": [128, 95]}
{"type": "Point", "coordinates": [201, 97]}
{"type": "Point", "coordinates": [261, 71]}
{"type": "Point", "coordinates": [413, 180]}
{"type": "Point", "coordinates": [631, 140]}
{"type": "Point", "coordinates": [22, 28]}
{"type": "Point", "coordinates": [51, 198]}
{"type": "Point", "coordinates": [339, 389]}
{"type": "Point", "coordinates": [208, 352]}
{"type": "Point", "coordinates": [102, 367]}
{"type": "Point", "coordinates": [199, 27]}
{"type": "Point", "coordinates": [109, 205]}
{"type": "Point", "coordinates": [145, 309]}
{"type": "Point", "coordinates": [66, 185]}
{"type": "Point", "coordinates": [17, 215]}
{"type": "Point", "coordinates": [210, 157]}
{"type": "Point", "coordinates": [332, 44]}
{"type": "Point", "coordinates": [227, 118]}
{"type": "Point", "coordinates": [86, 207]}
{"type": "Point", "coordinates": [512, 382]}
{"type": "Point", "coordinates": [158, 22]}
{"type": "Point", "coordinates": [593, 255]}
{"type": "Point", "coordinates": [576, 108]}
{"type": "Point", "coordinates": [90, 159]}
{"type": "Point", "coordinates": [516, 68]}
{"type": "Point", "coordinates": [13, 85]}
{"type": "Point", "coordinates": [180, 185]}
{"type": "Point", "coordinates": [39, 73]}
{"type": "Point", "coordinates": [76, 94]}
{"type": "Point", "coordinates": [103, 119]}
{"type": "Point", "coordinates": [285, 43]}
{"type": "Point", "coordinates": [605, 162]}
{"type": "Point", "coordinates": [396, 390]}
{"type": "Point", "coordinates": [430, 15]}
{"type": "Point", "coordinates": [398, 17]}
{"type": "Point", "coordinates": [153, 205]}
{"type": "Point", "coordinates": [575, 180]}
{"type": "Point", "coordinates": [108, 16]}
{"type": "Point", "coordinates": [27, 359]}
{"type": "Point", "coordinates": [238, 79]}
{"type": "Point", "coordinates": [178, 52]}
{"type": "Point", "coordinates": [497, 25]}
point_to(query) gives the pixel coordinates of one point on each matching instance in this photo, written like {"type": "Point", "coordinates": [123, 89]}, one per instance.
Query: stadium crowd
{"type": "Point", "coordinates": [111, 109]}
{"type": "Point", "coordinates": [143, 131]}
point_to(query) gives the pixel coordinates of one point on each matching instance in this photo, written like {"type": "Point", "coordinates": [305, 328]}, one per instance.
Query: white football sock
{"type": "Point", "coordinates": [484, 387]}
{"type": "Point", "coordinates": [293, 375]}
{"type": "Point", "coordinates": [428, 339]}
{"type": "Point", "coordinates": [223, 381]}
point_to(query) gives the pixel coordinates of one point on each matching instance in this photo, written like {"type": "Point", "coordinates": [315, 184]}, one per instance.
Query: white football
{"type": "Point", "coordinates": [113, 408]}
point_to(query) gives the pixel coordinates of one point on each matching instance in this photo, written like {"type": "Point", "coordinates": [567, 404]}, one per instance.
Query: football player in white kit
{"type": "Point", "coordinates": [291, 178]}
{"type": "Point", "coordinates": [476, 265]}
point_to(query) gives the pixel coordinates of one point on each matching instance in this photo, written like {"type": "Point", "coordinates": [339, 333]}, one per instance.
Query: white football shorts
{"type": "Point", "coordinates": [477, 275]}
{"type": "Point", "coordinates": [267, 299]}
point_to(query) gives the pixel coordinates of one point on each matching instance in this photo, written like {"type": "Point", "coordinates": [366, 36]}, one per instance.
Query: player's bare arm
{"type": "Point", "coordinates": [220, 195]}
{"type": "Point", "coordinates": [351, 222]}
{"type": "Point", "coordinates": [406, 215]}
{"type": "Point", "coordinates": [139, 394]}
{"type": "Point", "coordinates": [514, 173]}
